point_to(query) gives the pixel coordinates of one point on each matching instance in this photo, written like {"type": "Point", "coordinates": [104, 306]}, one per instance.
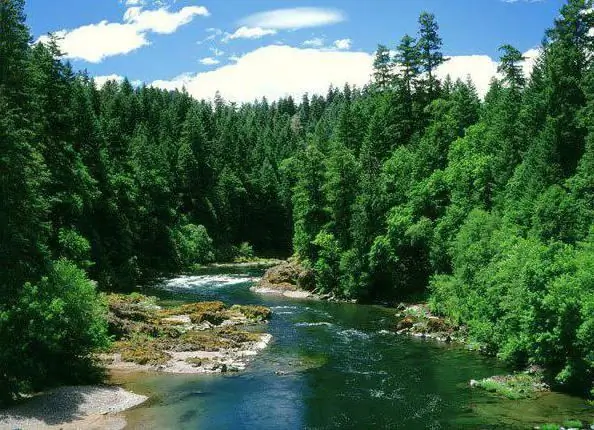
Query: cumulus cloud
{"type": "Point", "coordinates": [248, 33]}
{"type": "Point", "coordinates": [95, 42]}
{"type": "Point", "coordinates": [294, 18]}
{"type": "Point", "coordinates": [209, 61]}
{"type": "Point", "coordinates": [530, 58]}
{"type": "Point", "coordinates": [316, 42]}
{"type": "Point", "coordinates": [275, 71]}
{"type": "Point", "coordinates": [343, 43]}
{"type": "Point", "coordinates": [161, 20]}
{"type": "Point", "coordinates": [102, 80]}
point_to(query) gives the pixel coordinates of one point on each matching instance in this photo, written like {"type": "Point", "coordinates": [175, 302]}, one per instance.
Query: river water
{"type": "Point", "coordinates": [332, 366]}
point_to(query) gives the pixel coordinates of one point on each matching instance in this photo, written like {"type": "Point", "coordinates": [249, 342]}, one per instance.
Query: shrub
{"type": "Point", "coordinates": [245, 252]}
{"type": "Point", "coordinates": [58, 323]}
{"type": "Point", "coordinates": [194, 245]}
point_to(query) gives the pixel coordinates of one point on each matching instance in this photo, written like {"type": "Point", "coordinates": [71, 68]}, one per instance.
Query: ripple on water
{"type": "Point", "coordinates": [353, 334]}
{"type": "Point", "coordinates": [189, 282]}
{"type": "Point", "coordinates": [381, 394]}
{"type": "Point", "coordinates": [314, 324]}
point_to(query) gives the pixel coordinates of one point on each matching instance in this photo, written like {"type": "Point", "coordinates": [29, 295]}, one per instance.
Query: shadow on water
{"type": "Point", "coordinates": [330, 366]}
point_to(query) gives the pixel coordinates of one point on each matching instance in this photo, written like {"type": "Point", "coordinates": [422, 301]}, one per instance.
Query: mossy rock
{"type": "Point", "coordinates": [215, 318]}
{"type": "Point", "coordinates": [141, 351]}
{"type": "Point", "coordinates": [405, 323]}
{"type": "Point", "coordinates": [193, 308]}
{"type": "Point", "coordinates": [254, 312]}
{"type": "Point", "coordinates": [239, 336]}
{"type": "Point", "coordinates": [198, 341]}
{"type": "Point", "coordinates": [520, 385]}
{"type": "Point", "coordinates": [435, 325]}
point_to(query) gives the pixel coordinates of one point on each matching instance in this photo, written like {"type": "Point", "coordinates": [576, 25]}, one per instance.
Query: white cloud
{"type": "Point", "coordinates": [481, 68]}
{"type": "Point", "coordinates": [161, 20]}
{"type": "Point", "coordinates": [343, 43]}
{"type": "Point", "coordinates": [95, 42]}
{"type": "Point", "coordinates": [294, 18]}
{"type": "Point", "coordinates": [216, 52]}
{"type": "Point", "coordinates": [102, 80]}
{"type": "Point", "coordinates": [275, 71]}
{"type": "Point", "coordinates": [316, 42]}
{"type": "Point", "coordinates": [248, 33]}
{"type": "Point", "coordinates": [134, 2]}
{"type": "Point", "coordinates": [213, 33]}
{"type": "Point", "coordinates": [531, 56]}
{"type": "Point", "coordinates": [209, 61]}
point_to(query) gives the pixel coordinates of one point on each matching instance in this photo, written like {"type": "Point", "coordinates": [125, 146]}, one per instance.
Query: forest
{"type": "Point", "coordinates": [410, 188]}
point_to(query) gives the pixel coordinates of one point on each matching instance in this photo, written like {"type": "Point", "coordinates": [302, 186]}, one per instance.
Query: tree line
{"type": "Point", "coordinates": [411, 187]}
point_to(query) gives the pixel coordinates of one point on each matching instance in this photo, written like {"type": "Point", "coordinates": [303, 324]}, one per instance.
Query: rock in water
{"type": "Point", "coordinates": [288, 276]}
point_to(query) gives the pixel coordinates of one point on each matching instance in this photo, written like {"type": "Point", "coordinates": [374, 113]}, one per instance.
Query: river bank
{"type": "Point", "coordinates": [72, 407]}
{"type": "Point", "coordinates": [293, 280]}
{"type": "Point", "coordinates": [193, 338]}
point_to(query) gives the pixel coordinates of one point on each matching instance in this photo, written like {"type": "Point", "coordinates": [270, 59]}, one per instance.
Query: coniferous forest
{"type": "Point", "coordinates": [411, 188]}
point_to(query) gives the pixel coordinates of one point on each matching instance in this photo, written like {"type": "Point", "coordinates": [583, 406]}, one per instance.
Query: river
{"type": "Point", "coordinates": [332, 366]}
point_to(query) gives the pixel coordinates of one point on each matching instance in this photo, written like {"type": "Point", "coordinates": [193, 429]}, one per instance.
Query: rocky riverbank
{"type": "Point", "coordinates": [76, 407]}
{"type": "Point", "coordinates": [520, 385]}
{"type": "Point", "coordinates": [202, 337]}
{"type": "Point", "coordinates": [417, 320]}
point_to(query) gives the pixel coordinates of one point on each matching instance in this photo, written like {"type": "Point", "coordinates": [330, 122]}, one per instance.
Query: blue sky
{"type": "Point", "coordinates": [246, 48]}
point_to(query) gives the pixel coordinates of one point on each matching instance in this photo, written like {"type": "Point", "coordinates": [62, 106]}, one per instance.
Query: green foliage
{"type": "Point", "coordinates": [326, 266]}
{"type": "Point", "coordinates": [194, 245]}
{"type": "Point", "coordinates": [383, 190]}
{"type": "Point", "coordinates": [75, 247]}
{"type": "Point", "coordinates": [514, 387]}
{"type": "Point", "coordinates": [245, 252]}
{"type": "Point", "coordinates": [575, 424]}
{"type": "Point", "coordinates": [49, 334]}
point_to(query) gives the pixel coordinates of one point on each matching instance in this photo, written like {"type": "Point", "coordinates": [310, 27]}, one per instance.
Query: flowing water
{"type": "Point", "coordinates": [332, 366]}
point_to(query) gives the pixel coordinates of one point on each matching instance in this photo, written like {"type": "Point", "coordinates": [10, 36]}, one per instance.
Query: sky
{"type": "Point", "coordinates": [247, 49]}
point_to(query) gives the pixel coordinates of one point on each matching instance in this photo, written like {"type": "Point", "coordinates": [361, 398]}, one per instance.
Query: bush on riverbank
{"type": "Point", "coordinates": [49, 335]}
{"type": "Point", "coordinates": [527, 302]}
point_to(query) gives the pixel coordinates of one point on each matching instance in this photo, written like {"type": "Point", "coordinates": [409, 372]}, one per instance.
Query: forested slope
{"type": "Point", "coordinates": [407, 187]}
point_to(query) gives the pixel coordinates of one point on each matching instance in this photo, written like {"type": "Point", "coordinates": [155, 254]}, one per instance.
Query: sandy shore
{"type": "Point", "coordinates": [74, 407]}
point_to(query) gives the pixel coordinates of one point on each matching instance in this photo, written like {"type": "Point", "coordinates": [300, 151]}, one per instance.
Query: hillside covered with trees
{"type": "Point", "coordinates": [410, 187]}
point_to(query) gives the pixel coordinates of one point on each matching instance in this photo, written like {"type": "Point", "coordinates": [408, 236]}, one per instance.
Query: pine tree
{"type": "Point", "coordinates": [429, 45]}
{"type": "Point", "coordinates": [382, 68]}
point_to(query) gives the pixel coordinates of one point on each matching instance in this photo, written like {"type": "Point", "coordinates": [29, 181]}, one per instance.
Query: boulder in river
{"type": "Point", "coordinates": [289, 278]}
